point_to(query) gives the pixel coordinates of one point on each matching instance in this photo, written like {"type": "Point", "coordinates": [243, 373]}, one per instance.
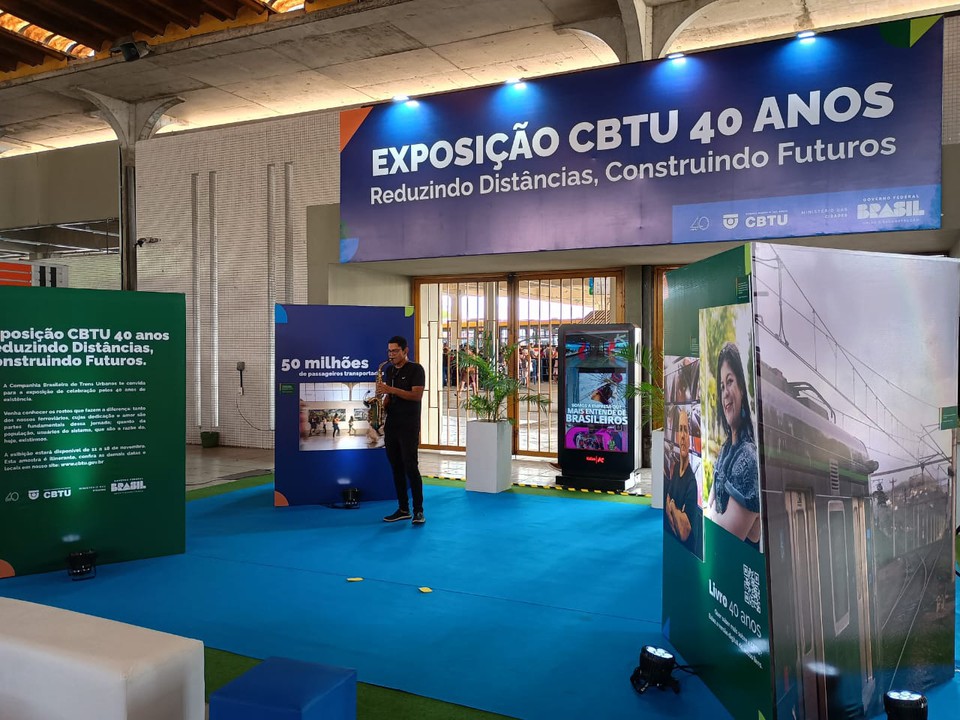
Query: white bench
{"type": "Point", "coordinates": [61, 665]}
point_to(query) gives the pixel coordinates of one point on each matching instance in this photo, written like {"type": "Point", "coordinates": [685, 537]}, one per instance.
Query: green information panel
{"type": "Point", "coordinates": [92, 410]}
{"type": "Point", "coordinates": [715, 603]}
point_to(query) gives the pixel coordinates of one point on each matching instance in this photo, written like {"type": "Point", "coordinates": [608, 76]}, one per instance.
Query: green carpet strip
{"type": "Point", "coordinates": [373, 702]}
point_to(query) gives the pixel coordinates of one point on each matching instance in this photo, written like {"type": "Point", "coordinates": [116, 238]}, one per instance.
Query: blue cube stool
{"type": "Point", "coordinates": [284, 689]}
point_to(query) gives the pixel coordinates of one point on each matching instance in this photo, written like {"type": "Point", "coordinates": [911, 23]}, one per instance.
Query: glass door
{"type": "Point", "coordinates": [522, 310]}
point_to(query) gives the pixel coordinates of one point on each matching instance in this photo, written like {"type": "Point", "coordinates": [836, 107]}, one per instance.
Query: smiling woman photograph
{"type": "Point", "coordinates": [731, 465]}
{"type": "Point", "coordinates": [734, 501]}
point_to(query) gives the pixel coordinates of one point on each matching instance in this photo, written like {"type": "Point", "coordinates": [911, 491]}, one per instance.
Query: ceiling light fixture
{"type": "Point", "coordinates": [130, 49]}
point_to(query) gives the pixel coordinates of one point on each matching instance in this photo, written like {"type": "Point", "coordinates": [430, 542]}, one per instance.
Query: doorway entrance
{"type": "Point", "coordinates": [521, 310]}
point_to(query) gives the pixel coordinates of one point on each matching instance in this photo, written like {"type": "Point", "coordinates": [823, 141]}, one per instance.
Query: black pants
{"type": "Point", "coordinates": [401, 443]}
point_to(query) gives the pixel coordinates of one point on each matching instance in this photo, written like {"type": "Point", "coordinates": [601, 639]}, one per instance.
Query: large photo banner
{"type": "Point", "coordinates": [93, 417]}
{"type": "Point", "coordinates": [858, 469]}
{"type": "Point", "coordinates": [329, 427]}
{"type": "Point", "coordinates": [715, 609]}
{"type": "Point", "coordinates": [835, 134]}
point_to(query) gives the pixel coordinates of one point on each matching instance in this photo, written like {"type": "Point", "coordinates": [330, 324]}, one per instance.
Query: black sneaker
{"type": "Point", "coordinates": [399, 514]}
{"type": "Point", "coordinates": [418, 518]}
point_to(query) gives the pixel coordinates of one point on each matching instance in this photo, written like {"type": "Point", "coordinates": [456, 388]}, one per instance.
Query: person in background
{"type": "Point", "coordinates": [446, 364]}
{"type": "Point", "coordinates": [402, 390]}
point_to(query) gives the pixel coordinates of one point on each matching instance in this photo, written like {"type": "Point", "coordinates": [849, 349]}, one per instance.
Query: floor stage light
{"type": "Point", "coordinates": [655, 669]}
{"type": "Point", "coordinates": [904, 705]}
{"type": "Point", "coordinates": [82, 565]}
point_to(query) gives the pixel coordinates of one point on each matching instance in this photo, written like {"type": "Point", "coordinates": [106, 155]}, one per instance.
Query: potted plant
{"type": "Point", "coordinates": [649, 392]}
{"type": "Point", "coordinates": [489, 433]}
{"type": "Point", "coordinates": [651, 414]}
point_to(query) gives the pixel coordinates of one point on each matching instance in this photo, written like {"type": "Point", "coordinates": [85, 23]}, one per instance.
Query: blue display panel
{"type": "Point", "coordinates": [326, 364]}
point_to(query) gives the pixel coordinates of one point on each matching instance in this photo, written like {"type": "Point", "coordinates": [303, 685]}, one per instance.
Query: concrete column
{"type": "Point", "coordinates": [131, 122]}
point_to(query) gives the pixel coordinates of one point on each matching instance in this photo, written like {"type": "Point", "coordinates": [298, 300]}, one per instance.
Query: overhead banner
{"type": "Point", "coordinates": [93, 415]}
{"type": "Point", "coordinates": [835, 134]}
{"type": "Point", "coordinates": [329, 428]}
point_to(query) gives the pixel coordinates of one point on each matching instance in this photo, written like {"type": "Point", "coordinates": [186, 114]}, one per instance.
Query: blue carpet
{"type": "Point", "coordinates": [540, 604]}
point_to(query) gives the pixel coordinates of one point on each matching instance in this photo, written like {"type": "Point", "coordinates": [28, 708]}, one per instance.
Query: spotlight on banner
{"type": "Point", "coordinates": [82, 565]}
{"type": "Point", "coordinates": [905, 705]}
{"type": "Point", "coordinates": [351, 498]}
{"type": "Point", "coordinates": [656, 668]}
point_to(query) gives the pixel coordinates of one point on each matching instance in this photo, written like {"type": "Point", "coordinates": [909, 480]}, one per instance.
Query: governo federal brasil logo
{"type": "Point", "coordinates": [125, 486]}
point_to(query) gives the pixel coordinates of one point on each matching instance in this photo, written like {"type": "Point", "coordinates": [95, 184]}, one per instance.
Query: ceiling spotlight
{"type": "Point", "coordinates": [130, 49]}
{"type": "Point", "coordinates": [806, 35]}
{"type": "Point", "coordinates": [675, 56]}
{"type": "Point", "coordinates": [905, 705]}
{"type": "Point", "coordinates": [401, 98]}
{"type": "Point", "coordinates": [656, 668]}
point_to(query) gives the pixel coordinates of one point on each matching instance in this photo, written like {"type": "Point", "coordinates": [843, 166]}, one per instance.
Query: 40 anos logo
{"type": "Point", "coordinates": [13, 496]}
{"type": "Point", "coordinates": [125, 486]}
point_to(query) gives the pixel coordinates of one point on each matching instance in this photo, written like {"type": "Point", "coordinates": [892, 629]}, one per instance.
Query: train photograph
{"type": "Point", "coordinates": [858, 504]}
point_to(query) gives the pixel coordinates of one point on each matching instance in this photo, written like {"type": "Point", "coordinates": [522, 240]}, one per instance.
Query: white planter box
{"type": "Point", "coordinates": [656, 468]}
{"type": "Point", "coordinates": [488, 456]}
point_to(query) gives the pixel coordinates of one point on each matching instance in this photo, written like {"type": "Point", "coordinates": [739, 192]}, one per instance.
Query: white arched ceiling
{"type": "Point", "coordinates": [729, 22]}
{"type": "Point", "coordinates": [604, 37]}
{"type": "Point", "coordinates": [617, 25]}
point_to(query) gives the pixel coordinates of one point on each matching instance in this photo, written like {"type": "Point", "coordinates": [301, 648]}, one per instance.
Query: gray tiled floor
{"type": "Point", "coordinates": [210, 466]}
{"type": "Point", "coordinates": [207, 466]}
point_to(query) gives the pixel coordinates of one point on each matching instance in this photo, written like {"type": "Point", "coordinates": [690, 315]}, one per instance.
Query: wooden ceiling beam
{"type": "Point", "coordinates": [258, 6]}
{"type": "Point", "coordinates": [28, 50]}
{"type": "Point", "coordinates": [178, 14]}
{"type": "Point", "coordinates": [63, 19]}
{"type": "Point", "coordinates": [221, 9]}
{"type": "Point", "coordinates": [8, 60]}
{"type": "Point", "coordinates": [142, 19]}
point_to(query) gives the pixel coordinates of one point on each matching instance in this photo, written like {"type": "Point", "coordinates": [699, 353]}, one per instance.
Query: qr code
{"type": "Point", "coordinates": [751, 587]}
